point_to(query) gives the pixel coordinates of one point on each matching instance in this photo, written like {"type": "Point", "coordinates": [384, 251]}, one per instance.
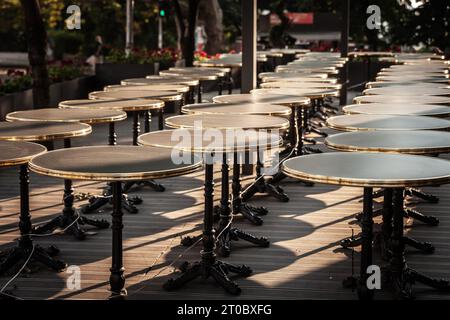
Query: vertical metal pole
{"type": "Point", "coordinates": [249, 18]}
{"type": "Point", "coordinates": [129, 26]}
{"type": "Point", "coordinates": [345, 11]}
{"type": "Point", "coordinates": [160, 33]}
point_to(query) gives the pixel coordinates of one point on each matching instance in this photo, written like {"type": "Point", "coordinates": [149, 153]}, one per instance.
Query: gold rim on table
{"type": "Point", "coordinates": [179, 88]}
{"type": "Point", "coordinates": [201, 149]}
{"type": "Point", "coordinates": [406, 150]}
{"type": "Point", "coordinates": [112, 176]}
{"type": "Point", "coordinates": [284, 100]}
{"type": "Point", "coordinates": [83, 131]}
{"type": "Point", "coordinates": [103, 95]}
{"type": "Point", "coordinates": [271, 109]}
{"type": "Point", "coordinates": [21, 160]}
{"type": "Point", "coordinates": [21, 116]}
{"type": "Point", "coordinates": [136, 104]}
{"type": "Point", "coordinates": [353, 182]}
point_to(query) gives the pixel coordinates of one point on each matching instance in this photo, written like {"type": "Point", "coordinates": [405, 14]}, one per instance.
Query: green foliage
{"type": "Point", "coordinates": [165, 57]}
{"type": "Point", "coordinates": [17, 81]}
{"type": "Point", "coordinates": [65, 42]}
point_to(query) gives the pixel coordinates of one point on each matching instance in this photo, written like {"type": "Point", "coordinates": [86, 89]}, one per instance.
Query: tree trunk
{"type": "Point", "coordinates": [210, 13]}
{"type": "Point", "coordinates": [187, 29]}
{"type": "Point", "coordinates": [37, 47]}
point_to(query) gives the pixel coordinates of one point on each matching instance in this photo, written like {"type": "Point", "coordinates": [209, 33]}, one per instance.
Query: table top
{"type": "Point", "coordinates": [410, 77]}
{"type": "Point", "coordinates": [18, 152]}
{"type": "Point", "coordinates": [366, 122]}
{"type": "Point", "coordinates": [237, 108]}
{"type": "Point", "coordinates": [68, 115]}
{"type": "Point", "coordinates": [180, 88]}
{"type": "Point", "coordinates": [230, 121]}
{"type": "Point", "coordinates": [288, 75]}
{"type": "Point", "coordinates": [332, 64]}
{"type": "Point", "coordinates": [300, 84]}
{"type": "Point", "coordinates": [303, 69]}
{"type": "Point", "coordinates": [125, 105]}
{"type": "Point", "coordinates": [160, 80]}
{"type": "Point", "coordinates": [42, 130]}
{"type": "Point", "coordinates": [414, 73]}
{"type": "Point", "coordinates": [312, 93]}
{"type": "Point", "coordinates": [118, 163]}
{"type": "Point", "coordinates": [272, 54]}
{"type": "Point", "coordinates": [402, 99]}
{"type": "Point", "coordinates": [368, 169]}
{"type": "Point", "coordinates": [398, 109]}
{"type": "Point", "coordinates": [226, 63]}
{"type": "Point", "coordinates": [371, 54]}
{"type": "Point", "coordinates": [423, 142]}
{"type": "Point", "coordinates": [409, 91]}
{"type": "Point", "coordinates": [165, 96]}
{"type": "Point", "coordinates": [287, 100]}
{"type": "Point", "coordinates": [202, 140]}
{"type": "Point", "coordinates": [197, 75]}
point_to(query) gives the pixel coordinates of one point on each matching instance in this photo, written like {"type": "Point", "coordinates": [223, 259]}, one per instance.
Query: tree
{"type": "Point", "coordinates": [211, 14]}
{"type": "Point", "coordinates": [186, 28]}
{"type": "Point", "coordinates": [37, 46]}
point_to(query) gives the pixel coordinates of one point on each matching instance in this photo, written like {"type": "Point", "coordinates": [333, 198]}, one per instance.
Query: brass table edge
{"type": "Point", "coordinates": [73, 134]}
{"type": "Point", "coordinates": [11, 118]}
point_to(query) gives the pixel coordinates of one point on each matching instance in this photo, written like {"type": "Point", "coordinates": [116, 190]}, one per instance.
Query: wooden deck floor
{"type": "Point", "coordinates": [304, 260]}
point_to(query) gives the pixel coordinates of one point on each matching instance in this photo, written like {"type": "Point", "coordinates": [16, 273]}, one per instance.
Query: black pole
{"type": "Point", "coordinates": [25, 218]}
{"type": "Point", "coordinates": [112, 138]}
{"type": "Point", "coordinates": [345, 26]}
{"type": "Point", "coordinates": [116, 279]}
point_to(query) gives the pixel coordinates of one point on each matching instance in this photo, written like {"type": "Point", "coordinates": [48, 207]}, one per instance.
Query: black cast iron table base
{"type": "Point", "coordinates": [209, 266]}
{"type": "Point", "coordinates": [401, 276]}
{"type": "Point", "coordinates": [25, 246]}
{"type": "Point", "coordinates": [96, 202]}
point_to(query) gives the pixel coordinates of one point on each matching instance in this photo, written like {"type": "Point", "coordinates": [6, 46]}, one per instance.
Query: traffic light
{"type": "Point", "coordinates": [164, 8]}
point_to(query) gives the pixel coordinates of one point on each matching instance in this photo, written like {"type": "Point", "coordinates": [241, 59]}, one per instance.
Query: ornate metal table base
{"type": "Point", "coordinates": [386, 211]}
{"type": "Point", "coordinates": [69, 219]}
{"type": "Point", "coordinates": [25, 247]}
{"type": "Point", "coordinates": [96, 202]}
{"type": "Point", "coordinates": [401, 276]}
{"type": "Point", "coordinates": [209, 265]}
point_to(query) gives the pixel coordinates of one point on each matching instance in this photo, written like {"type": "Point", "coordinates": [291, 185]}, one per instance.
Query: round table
{"type": "Point", "coordinates": [192, 83]}
{"type": "Point", "coordinates": [300, 85]}
{"type": "Point", "coordinates": [402, 99]}
{"type": "Point", "coordinates": [376, 170]}
{"type": "Point", "coordinates": [179, 88]}
{"type": "Point", "coordinates": [319, 108]}
{"type": "Point", "coordinates": [416, 78]}
{"type": "Point", "coordinates": [271, 76]}
{"type": "Point", "coordinates": [202, 75]}
{"type": "Point", "coordinates": [46, 132]}
{"type": "Point", "coordinates": [133, 106]}
{"type": "Point", "coordinates": [119, 163]}
{"type": "Point", "coordinates": [238, 108]}
{"type": "Point", "coordinates": [406, 84]}
{"type": "Point", "coordinates": [18, 153]}
{"type": "Point", "coordinates": [261, 185]}
{"type": "Point", "coordinates": [398, 109]}
{"type": "Point", "coordinates": [89, 116]}
{"type": "Point", "coordinates": [240, 122]}
{"type": "Point", "coordinates": [366, 122]}
{"type": "Point", "coordinates": [166, 96]}
{"type": "Point", "coordinates": [298, 106]}
{"type": "Point", "coordinates": [408, 91]}
{"type": "Point", "coordinates": [199, 141]}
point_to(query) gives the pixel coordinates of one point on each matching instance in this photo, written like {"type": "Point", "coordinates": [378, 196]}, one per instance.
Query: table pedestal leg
{"type": "Point", "coordinates": [116, 279]}
{"type": "Point", "coordinates": [402, 277]}
{"type": "Point", "coordinates": [298, 149]}
{"type": "Point", "coordinates": [26, 249]}
{"type": "Point", "coordinates": [145, 183]}
{"type": "Point", "coordinates": [386, 211]}
{"type": "Point", "coordinates": [70, 219]}
{"type": "Point", "coordinates": [261, 185]}
{"type": "Point", "coordinates": [227, 232]}
{"type": "Point", "coordinates": [209, 265]}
